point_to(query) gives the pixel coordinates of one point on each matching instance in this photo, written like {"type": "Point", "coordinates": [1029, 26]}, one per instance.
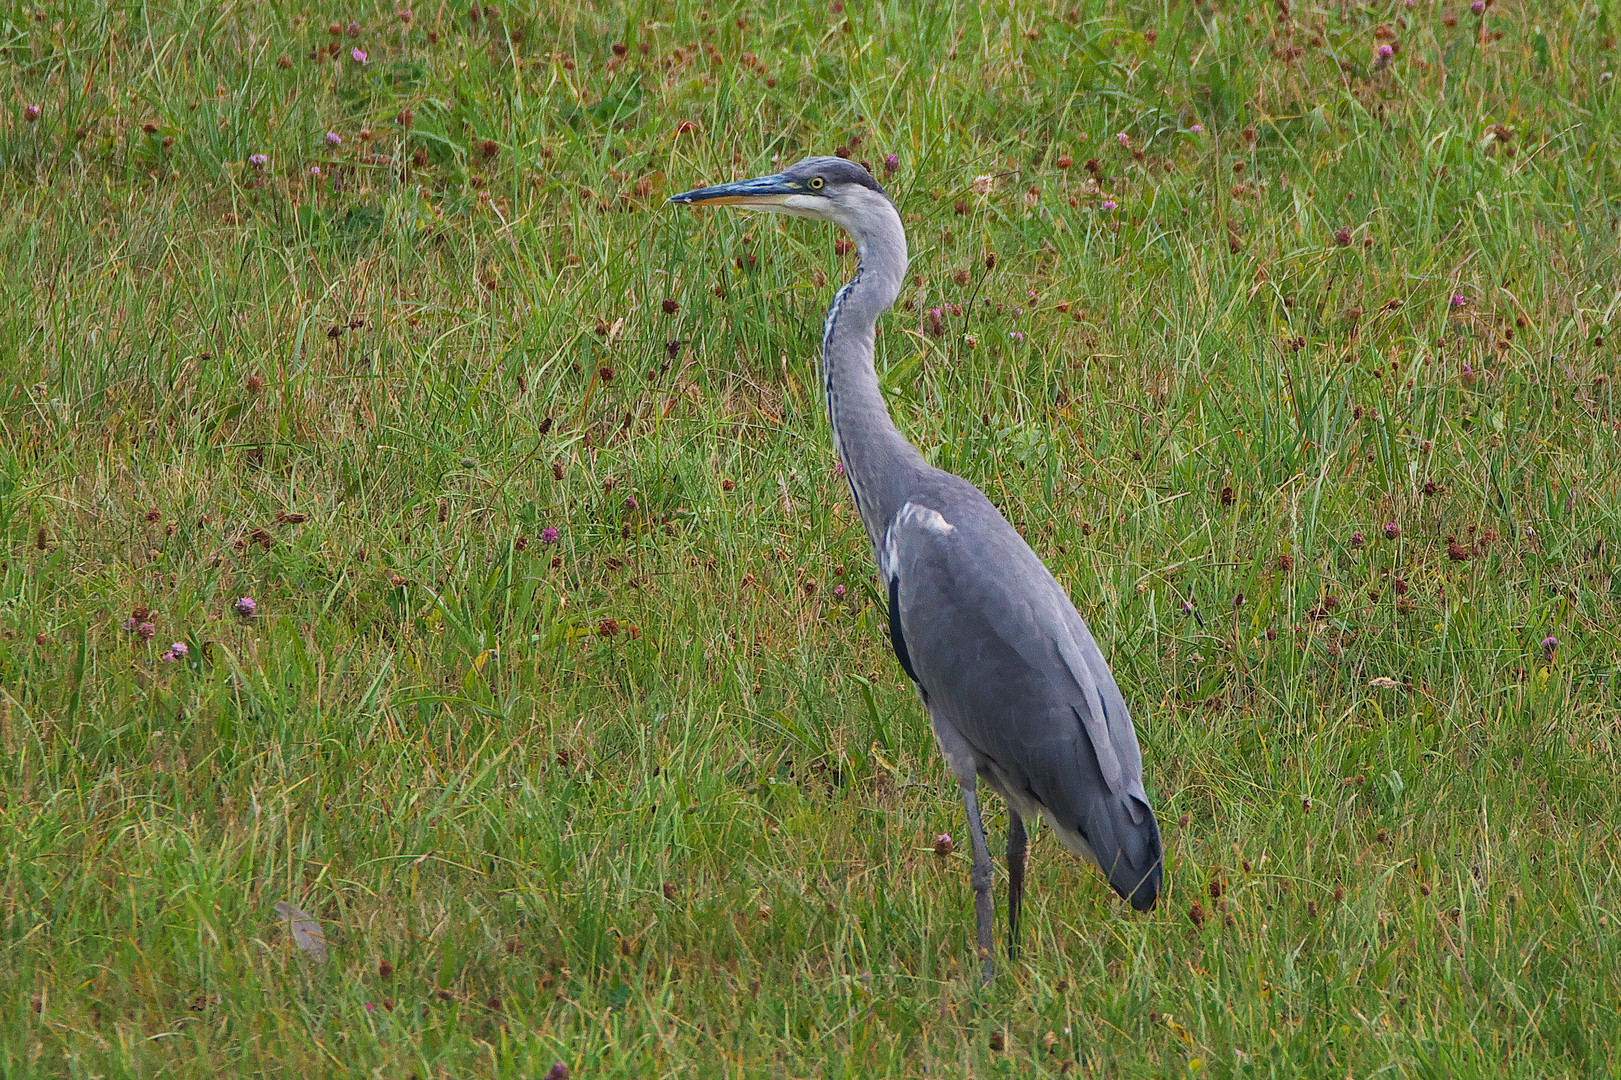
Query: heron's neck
{"type": "Point", "coordinates": [877, 460]}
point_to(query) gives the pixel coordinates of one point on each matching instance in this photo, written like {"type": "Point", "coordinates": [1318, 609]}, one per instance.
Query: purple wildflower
{"type": "Point", "coordinates": [1017, 336]}
{"type": "Point", "coordinates": [167, 657]}
{"type": "Point", "coordinates": [1386, 51]}
{"type": "Point", "coordinates": [1478, 7]}
{"type": "Point", "coordinates": [146, 631]}
{"type": "Point", "coordinates": [838, 592]}
{"type": "Point", "coordinates": [315, 172]}
{"type": "Point", "coordinates": [334, 139]}
{"type": "Point", "coordinates": [631, 503]}
{"type": "Point", "coordinates": [1187, 607]}
{"type": "Point", "coordinates": [1550, 646]}
{"type": "Point", "coordinates": [357, 54]}
{"type": "Point", "coordinates": [353, 28]}
{"type": "Point", "coordinates": [1197, 129]}
{"type": "Point", "coordinates": [370, 1007]}
{"type": "Point", "coordinates": [1392, 530]}
{"type": "Point", "coordinates": [558, 1071]}
{"type": "Point", "coordinates": [548, 535]}
{"type": "Point", "coordinates": [245, 606]}
{"type": "Point", "coordinates": [943, 845]}
{"type": "Point", "coordinates": [30, 113]}
{"type": "Point", "coordinates": [180, 648]}
{"type": "Point", "coordinates": [1458, 300]}
{"type": "Point", "coordinates": [1108, 204]}
{"type": "Point", "coordinates": [1123, 139]}
{"type": "Point", "coordinates": [258, 161]}
{"type": "Point", "coordinates": [838, 469]}
{"type": "Point", "coordinates": [1357, 539]}
{"type": "Point", "coordinates": [892, 162]}
{"type": "Point", "coordinates": [130, 624]}
{"type": "Point", "coordinates": [1467, 375]}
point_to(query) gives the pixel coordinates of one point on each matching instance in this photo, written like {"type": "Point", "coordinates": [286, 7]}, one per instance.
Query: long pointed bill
{"type": "Point", "coordinates": [764, 192]}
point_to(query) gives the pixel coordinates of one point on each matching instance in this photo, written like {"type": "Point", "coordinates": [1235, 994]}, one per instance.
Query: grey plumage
{"type": "Point", "coordinates": [1017, 691]}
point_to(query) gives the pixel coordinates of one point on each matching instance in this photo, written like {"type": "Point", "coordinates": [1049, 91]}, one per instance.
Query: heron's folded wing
{"type": "Point", "coordinates": [980, 612]}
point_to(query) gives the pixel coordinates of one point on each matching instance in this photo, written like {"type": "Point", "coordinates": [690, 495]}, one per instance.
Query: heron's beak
{"type": "Point", "coordinates": [761, 193]}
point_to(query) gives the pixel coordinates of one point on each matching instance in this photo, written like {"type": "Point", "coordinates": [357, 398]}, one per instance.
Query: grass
{"type": "Point", "coordinates": [654, 799]}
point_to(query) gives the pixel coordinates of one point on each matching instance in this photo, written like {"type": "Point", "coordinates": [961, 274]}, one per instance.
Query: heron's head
{"type": "Point", "coordinates": [823, 188]}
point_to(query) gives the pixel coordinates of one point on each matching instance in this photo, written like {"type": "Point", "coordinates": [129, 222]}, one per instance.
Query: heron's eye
{"type": "Point", "coordinates": [816, 183]}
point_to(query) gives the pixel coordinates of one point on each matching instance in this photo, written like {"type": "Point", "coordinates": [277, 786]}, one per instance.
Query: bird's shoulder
{"type": "Point", "coordinates": [949, 524]}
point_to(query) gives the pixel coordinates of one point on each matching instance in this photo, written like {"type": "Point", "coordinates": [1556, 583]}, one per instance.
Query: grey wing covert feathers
{"type": "Point", "coordinates": [1016, 688]}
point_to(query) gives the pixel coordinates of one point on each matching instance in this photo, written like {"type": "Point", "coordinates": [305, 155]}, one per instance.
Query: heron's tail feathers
{"type": "Point", "coordinates": [1117, 832]}
{"type": "Point", "coordinates": [1124, 838]}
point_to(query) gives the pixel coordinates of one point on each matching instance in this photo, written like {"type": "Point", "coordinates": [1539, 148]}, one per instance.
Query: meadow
{"type": "Point", "coordinates": [408, 517]}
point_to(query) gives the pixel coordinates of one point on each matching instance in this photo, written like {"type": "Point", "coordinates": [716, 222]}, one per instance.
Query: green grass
{"type": "Point", "coordinates": [702, 845]}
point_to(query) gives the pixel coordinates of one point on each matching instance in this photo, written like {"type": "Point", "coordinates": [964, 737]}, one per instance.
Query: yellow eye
{"type": "Point", "coordinates": [816, 183]}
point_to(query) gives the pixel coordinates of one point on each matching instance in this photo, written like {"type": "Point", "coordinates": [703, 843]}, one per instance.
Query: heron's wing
{"type": "Point", "coordinates": [986, 629]}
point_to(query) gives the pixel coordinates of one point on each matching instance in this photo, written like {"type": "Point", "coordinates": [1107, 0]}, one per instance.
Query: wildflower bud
{"type": "Point", "coordinates": [1392, 530]}
{"type": "Point", "coordinates": [1550, 646]}
{"type": "Point", "coordinates": [1342, 236]}
{"type": "Point", "coordinates": [245, 606]}
{"type": "Point", "coordinates": [671, 307]}
{"type": "Point", "coordinates": [406, 119]}
{"type": "Point", "coordinates": [30, 113]}
{"type": "Point", "coordinates": [892, 162]}
{"type": "Point", "coordinates": [1357, 539]}
{"type": "Point", "coordinates": [943, 845]}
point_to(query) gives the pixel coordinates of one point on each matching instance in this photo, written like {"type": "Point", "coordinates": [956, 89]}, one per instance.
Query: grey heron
{"type": "Point", "coordinates": [1017, 691]}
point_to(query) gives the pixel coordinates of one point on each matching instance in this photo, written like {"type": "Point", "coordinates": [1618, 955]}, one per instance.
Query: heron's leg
{"type": "Point", "coordinates": [984, 911]}
{"type": "Point", "coordinates": [1017, 848]}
